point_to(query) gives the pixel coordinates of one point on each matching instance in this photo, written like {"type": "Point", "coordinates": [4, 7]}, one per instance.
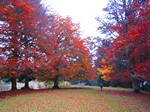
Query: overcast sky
{"type": "Point", "coordinates": [81, 11]}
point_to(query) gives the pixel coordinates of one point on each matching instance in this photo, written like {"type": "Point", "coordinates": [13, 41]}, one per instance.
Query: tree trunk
{"type": "Point", "coordinates": [136, 84]}
{"type": "Point", "coordinates": [56, 82]}
{"type": "Point", "coordinates": [13, 83]}
{"type": "Point", "coordinates": [26, 82]}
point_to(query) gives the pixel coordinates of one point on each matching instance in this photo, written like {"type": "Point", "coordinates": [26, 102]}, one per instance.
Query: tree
{"type": "Point", "coordinates": [21, 28]}
{"type": "Point", "coordinates": [105, 71]}
{"type": "Point", "coordinates": [11, 12]}
{"type": "Point", "coordinates": [130, 49]}
{"type": "Point", "coordinates": [66, 56]}
{"type": "Point", "coordinates": [98, 48]}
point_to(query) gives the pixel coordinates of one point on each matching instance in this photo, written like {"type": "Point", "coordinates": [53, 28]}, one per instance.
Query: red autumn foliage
{"type": "Point", "coordinates": [21, 29]}
{"type": "Point", "coordinates": [18, 20]}
{"type": "Point", "coordinates": [130, 51]}
{"type": "Point", "coordinates": [66, 56]}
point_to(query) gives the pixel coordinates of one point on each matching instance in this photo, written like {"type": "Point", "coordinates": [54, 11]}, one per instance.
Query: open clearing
{"type": "Point", "coordinates": [89, 99]}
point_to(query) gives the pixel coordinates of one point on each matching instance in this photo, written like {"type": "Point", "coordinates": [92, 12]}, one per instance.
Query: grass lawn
{"type": "Point", "coordinates": [89, 99]}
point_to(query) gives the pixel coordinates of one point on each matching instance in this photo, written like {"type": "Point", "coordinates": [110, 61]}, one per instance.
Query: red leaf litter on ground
{"type": "Point", "coordinates": [4, 94]}
{"type": "Point", "coordinates": [145, 96]}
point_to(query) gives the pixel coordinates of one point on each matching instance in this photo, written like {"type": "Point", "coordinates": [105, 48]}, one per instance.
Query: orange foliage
{"type": "Point", "coordinates": [66, 54]}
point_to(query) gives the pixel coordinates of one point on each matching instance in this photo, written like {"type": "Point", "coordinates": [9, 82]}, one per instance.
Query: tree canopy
{"type": "Point", "coordinates": [35, 42]}
{"type": "Point", "coordinates": [127, 26]}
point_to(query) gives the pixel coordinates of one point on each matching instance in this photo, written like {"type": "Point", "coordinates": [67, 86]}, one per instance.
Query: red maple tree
{"type": "Point", "coordinates": [65, 55]}
{"type": "Point", "coordinates": [129, 29]}
{"type": "Point", "coordinates": [21, 27]}
{"type": "Point", "coordinates": [134, 43]}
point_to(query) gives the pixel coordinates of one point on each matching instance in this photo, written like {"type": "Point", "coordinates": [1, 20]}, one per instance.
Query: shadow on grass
{"type": "Point", "coordinates": [4, 94]}
{"type": "Point", "coordinates": [126, 92]}
{"type": "Point", "coordinates": [142, 95]}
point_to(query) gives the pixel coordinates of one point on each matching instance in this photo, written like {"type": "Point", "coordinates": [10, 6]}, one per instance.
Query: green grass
{"type": "Point", "coordinates": [89, 99]}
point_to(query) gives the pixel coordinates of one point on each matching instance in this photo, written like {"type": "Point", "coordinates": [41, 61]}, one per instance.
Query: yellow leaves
{"type": "Point", "coordinates": [105, 71]}
{"type": "Point", "coordinates": [106, 77]}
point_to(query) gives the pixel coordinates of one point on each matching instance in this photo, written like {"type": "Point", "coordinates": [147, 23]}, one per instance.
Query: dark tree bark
{"type": "Point", "coordinates": [13, 83]}
{"type": "Point", "coordinates": [56, 82]}
{"type": "Point", "coordinates": [136, 84]}
{"type": "Point", "coordinates": [26, 86]}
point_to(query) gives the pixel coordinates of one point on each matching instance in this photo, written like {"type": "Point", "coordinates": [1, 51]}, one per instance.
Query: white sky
{"type": "Point", "coordinates": [81, 11]}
